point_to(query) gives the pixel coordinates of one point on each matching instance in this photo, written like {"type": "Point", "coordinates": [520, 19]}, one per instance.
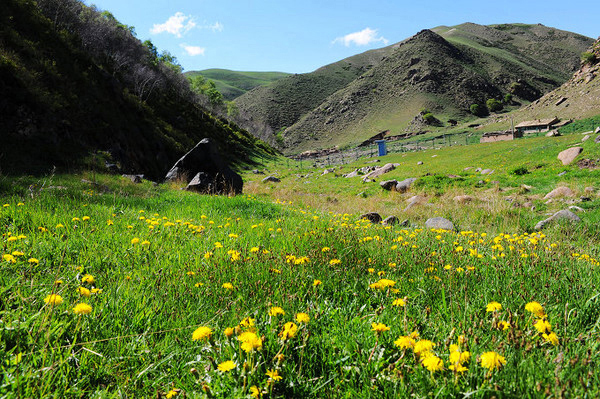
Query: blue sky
{"type": "Point", "coordinates": [301, 36]}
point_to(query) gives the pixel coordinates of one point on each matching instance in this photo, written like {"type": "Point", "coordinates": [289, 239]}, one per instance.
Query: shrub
{"type": "Point", "coordinates": [520, 171]}
{"type": "Point", "coordinates": [478, 110]}
{"type": "Point", "coordinates": [588, 58]}
{"type": "Point", "coordinates": [494, 105]}
{"type": "Point", "coordinates": [508, 98]}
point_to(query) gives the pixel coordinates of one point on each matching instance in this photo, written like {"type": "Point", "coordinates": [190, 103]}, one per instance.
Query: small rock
{"type": "Point", "coordinates": [560, 215]}
{"type": "Point", "coordinates": [405, 184]}
{"type": "Point", "coordinates": [453, 176]}
{"type": "Point", "coordinates": [487, 171]}
{"type": "Point", "coordinates": [388, 185]}
{"type": "Point", "coordinates": [597, 130]}
{"type": "Point", "coordinates": [405, 223]}
{"type": "Point", "coordinates": [559, 192]}
{"type": "Point", "coordinates": [420, 163]}
{"type": "Point", "coordinates": [478, 170]}
{"type": "Point", "coordinates": [271, 179]}
{"type": "Point", "coordinates": [562, 173]}
{"type": "Point", "coordinates": [351, 174]}
{"type": "Point", "coordinates": [553, 133]}
{"type": "Point", "coordinates": [414, 201]}
{"type": "Point", "coordinates": [526, 188]}
{"type": "Point", "coordinates": [589, 190]}
{"type": "Point", "coordinates": [327, 171]}
{"type": "Point", "coordinates": [597, 140]}
{"type": "Point", "coordinates": [586, 138]}
{"type": "Point", "coordinates": [439, 223]}
{"type": "Point", "coordinates": [257, 172]}
{"type": "Point", "coordinates": [134, 178]}
{"type": "Point", "coordinates": [576, 208]}
{"type": "Point", "coordinates": [390, 221]}
{"type": "Point", "coordinates": [388, 167]}
{"type": "Point", "coordinates": [585, 199]}
{"type": "Point", "coordinates": [567, 156]}
{"type": "Point", "coordinates": [467, 168]}
{"type": "Point", "coordinates": [372, 217]}
{"type": "Point", "coordinates": [433, 156]}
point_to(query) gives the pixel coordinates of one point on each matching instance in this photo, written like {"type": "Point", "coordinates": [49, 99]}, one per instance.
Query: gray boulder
{"type": "Point", "coordinates": [216, 178]}
{"type": "Point", "coordinates": [559, 192]}
{"type": "Point", "coordinates": [271, 179]}
{"type": "Point", "coordinates": [134, 178]}
{"type": "Point", "coordinates": [372, 217]}
{"type": "Point", "coordinates": [567, 156]}
{"type": "Point", "coordinates": [439, 223]}
{"type": "Point", "coordinates": [414, 201]}
{"type": "Point", "coordinates": [560, 215]}
{"type": "Point", "coordinates": [390, 221]}
{"type": "Point", "coordinates": [463, 199]}
{"type": "Point", "coordinates": [388, 167]}
{"type": "Point", "coordinates": [487, 171]}
{"type": "Point", "coordinates": [597, 140]}
{"type": "Point", "coordinates": [388, 184]}
{"type": "Point", "coordinates": [405, 184]}
{"type": "Point", "coordinates": [586, 138]}
{"type": "Point", "coordinates": [597, 130]}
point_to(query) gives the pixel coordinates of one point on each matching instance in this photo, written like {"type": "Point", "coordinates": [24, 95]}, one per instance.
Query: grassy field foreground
{"type": "Point", "coordinates": [116, 290]}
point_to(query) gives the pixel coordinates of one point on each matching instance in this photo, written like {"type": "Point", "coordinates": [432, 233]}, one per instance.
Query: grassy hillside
{"type": "Point", "coordinates": [79, 89]}
{"type": "Point", "coordinates": [232, 84]}
{"type": "Point", "coordinates": [150, 291]}
{"type": "Point", "coordinates": [444, 72]}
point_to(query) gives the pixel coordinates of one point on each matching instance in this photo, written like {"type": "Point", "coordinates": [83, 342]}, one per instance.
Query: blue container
{"type": "Point", "coordinates": [381, 146]}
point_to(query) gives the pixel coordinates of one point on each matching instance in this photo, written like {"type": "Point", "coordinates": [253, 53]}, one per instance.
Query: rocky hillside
{"type": "Point", "coordinates": [80, 90]}
{"type": "Point", "coordinates": [578, 98]}
{"type": "Point", "coordinates": [445, 70]}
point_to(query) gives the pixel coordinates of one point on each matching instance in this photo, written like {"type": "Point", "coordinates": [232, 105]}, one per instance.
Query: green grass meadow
{"type": "Point", "coordinates": [283, 292]}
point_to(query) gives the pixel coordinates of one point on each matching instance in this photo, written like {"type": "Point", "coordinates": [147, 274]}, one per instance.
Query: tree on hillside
{"type": "Point", "coordinates": [494, 105]}
{"type": "Point", "coordinates": [478, 110]}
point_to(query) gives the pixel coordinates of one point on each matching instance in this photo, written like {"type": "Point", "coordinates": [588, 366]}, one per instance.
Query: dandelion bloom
{"type": "Point", "coordinates": [378, 328]}
{"type": "Point", "coordinates": [302, 318]}
{"type": "Point", "coordinates": [250, 341]}
{"type": "Point", "coordinates": [552, 338]}
{"type": "Point", "coordinates": [493, 306]}
{"type": "Point", "coordinates": [399, 302]}
{"type": "Point", "coordinates": [458, 368]}
{"type": "Point", "coordinates": [82, 308]}
{"type": "Point", "coordinates": [207, 255]}
{"type": "Point", "coordinates": [423, 346]}
{"type": "Point", "coordinates": [202, 333]}
{"type": "Point", "coordinates": [276, 311]}
{"type": "Point", "coordinates": [53, 299]}
{"type": "Point", "coordinates": [254, 249]}
{"type": "Point", "coordinates": [290, 330]}
{"type": "Point", "coordinates": [536, 309]}
{"type": "Point", "coordinates": [228, 332]}
{"type": "Point", "coordinates": [325, 249]}
{"type": "Point", "coordinates": [492, 360]}
{"type": "Point", "coordinates": [273, 375]}
{"type": "Point", "coordinates": [543, 326]}
{"type": "Point", "coordinates": [254, 391]}
{"type": "Point", "coordinates": [9, 258]}
{"type": "Point", "coordinates": [88, 278]}
{"type": "Point", "coordinates": [433, 363]}
{"type": "Point", "coordinates": [84, 292]}
{"type": "Point", "coordinates": [172, 393]}
{"type": "Point", "coordinates": [247, 322]}
{"type": "Point", "coordinates": [458, 357]}
{"type": "Point", "coordinates": [317, 282]}
{"type": "Point", "coordinates": [227, 286]}
{"type": "Point", "coordinates": [335, 262]}
{"type": "Point", "coordinates": [34, 261]}
{"type": "Point", "coordinates": [405, 342]}
{"type": "Point", "coordinates": [96, 290]}
{"type": "Point", "coordinates": [382, 284]}
{"type": "Point", "coordinates": [135, 240]}
{"type": "Point", "coordinates": [227, 366]}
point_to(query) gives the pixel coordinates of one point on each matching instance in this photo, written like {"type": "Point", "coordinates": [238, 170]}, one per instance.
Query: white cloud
{"type": "Point", "coordinates": [193, 50]}
{"type": "Point", "coordinates": [216, 27]}
{"type": "Point", "coordinates": [362, 38]}
{"type": "Point", "coordinates": [178, 25]}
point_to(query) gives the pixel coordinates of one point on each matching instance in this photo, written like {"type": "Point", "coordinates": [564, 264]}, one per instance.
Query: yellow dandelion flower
{"type": "Point", "coordinates": [207, 255]}
{"type": "Point", "coordinates": [289, 331]}
{"type": "Point", "coordinates": [227, 286]}
{"type": "Point", "coordinates": [53, 299]}
{"type": "Point", "coordinates": [88, 278]}
{"type": "Point", "coordinates": [84, 292]}
{"type": "Point", "coordinates": [254, 391]}
{"type": "Point", "coordinates": [378, 328]}
{"type": "Point", "coordinates": [202, 333]}
{"type": "Point", "coordinates": [273, 375]}
{"type": "Point", "coordinates": [536, 309]}
{"type": "Point", "coordinates": [135, 241]}
{"type": "Point", "coordinates": [302, 318]}
{"type": "Point", "coordinates": [371, 270]}
{"type": "Point", "coordinates": [172, 393]}
{"type": "Point", "coordinates": [405, 342]}
{"type": "Point", "coordinates": [250, 341]}
{"type": "Point", "coordinates": [493, 307]}
{"type": "Point", "coordinates": [423, 346]}
{"type": "Point", "coordinates": [247, 322]}
{"type": "Point", "coordinates": [492, 360]}
{"type": "Point", "coordinates": [82, 308]}
{"type": "Point", "coordinates": [458, 368]}
{"type": "Point", "coordinates": [503, 325]}
{"type": "Point", "coordinates": [9, 258]}
{"type": "Point", "coordinates": [276, 311]}
{"type": "Point", "coordinates": [227, 366]}
{"type": "Point", "coordinates": [543, 326]}
{"type": "Point", "coordinates": [325, 249]}
{"type": "Point", "coordinates": [96, 291]}
{"type": "Point", "coordinates": [85, 218]}
{"type": "Point", "coordinates": [254, 249]}
{"type": "Point", "coordinates": [317, 282]}
{"type": "Point", "coordinates": [433, 363]}
{"type": "Point", "coordinates": [552, 338]}
{"type": "Point", "coordinates": [228, 332]}
{"type": "Point", "coordinates": [399, 302]}
{"type": "Point", "coordinates": [33, 261]}
{"type": "Point", "coordinates": [333, 262]}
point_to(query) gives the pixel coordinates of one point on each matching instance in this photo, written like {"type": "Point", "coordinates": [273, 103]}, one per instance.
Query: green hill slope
{"type": "Point", "coordinates": [444, 72]}
{"type": "Point", "coordinates": [232, 84]}
{"type": "Point", "coordinates": [81, 83]}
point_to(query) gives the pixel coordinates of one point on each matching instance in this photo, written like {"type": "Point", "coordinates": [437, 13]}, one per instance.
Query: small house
{"type": "Point", "coordinates": [491, 137]}
{"type": "Point", "coordinates": [536, 126]}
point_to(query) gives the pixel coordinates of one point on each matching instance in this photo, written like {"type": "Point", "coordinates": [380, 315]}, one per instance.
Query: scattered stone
{"type": "Point", "coordinates": [405, 184]}
{"type": "Point", "coordinates": [454, 176]}
{"type": "Point", "coordinates": [589, 190]}
{"type": "Point", "coordinates": [327, 171]}
{"type": "Point", "coordinates": [351, 174]}
{"type": "Point", "coordinates": [388, 185]}
{"type": "Point", "coordinates": [414, 201]}
{"type": "Point", "coordinates": [374, 161]}
{"type": "Point", "coordinates": [597, 130]}
{"type": "Point", "coordinates": [567, 156]}
{"type": "Point", "coordinates": [271, 179]}
{"type": "Point", "coordinates": [487, 171]}
{"type": "Point", "coordinates": [553, 133]}
{"type": "Point", "coordinates": [362, 194]}
{"type": "Point", "coordinates": [405, 223]}
{"type": "Point", "coordinates": [372, 217]}
{"type": "Point", "coordinates": [562, 173]}
{"type": "Point", "coordinates": [526, 188]}
{"type": "Point", "coordinates": [585, 199]}
{"type": "Point", "coordinates": [420, 163]}
{"type": "Point", "coordinates": [433, 156]}
{"type": "Point", "coordinates": [463, 199]}
{"type": "Point", "coordinates": [388, 167]}
{"type": "Point", "coordinates": [439, 223]}
{"type": "Point", "coordinates": [216, 178]}
{"type": "Point", "coordinates": [480, 183]}
{"type": "Point", "coordinates": [137, 179]}
{"type": "Point", "coordinates": [597, 140]}
{"type": "Point", "coordinates": [257, 172]}
{"type": "Point", "coordinates": [560, 215]}
{"type": "Point", "coordinates": [576, 208]}
{"type": "Point", "coordinates": [390, 221]}
{"type": "Point", "coordinates": [478, 170]}
{"type": "Point", "coordinates": [467, 168]}
{"type": "Point", "coordinates": [586, 138]}
{"type": "Point", "coordinates": [559, 192]}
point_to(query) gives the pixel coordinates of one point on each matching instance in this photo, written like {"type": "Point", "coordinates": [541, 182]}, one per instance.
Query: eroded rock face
{"type": "Point", "coordinates": [439, 223]}
{"type": "Point", "coordinates": [567, 156]}
{"type": "Point", "coordinates": [208, 172]}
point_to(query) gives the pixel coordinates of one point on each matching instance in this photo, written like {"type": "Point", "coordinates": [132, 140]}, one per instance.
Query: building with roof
{"type": "Point", "coordinates": [536, 126]}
